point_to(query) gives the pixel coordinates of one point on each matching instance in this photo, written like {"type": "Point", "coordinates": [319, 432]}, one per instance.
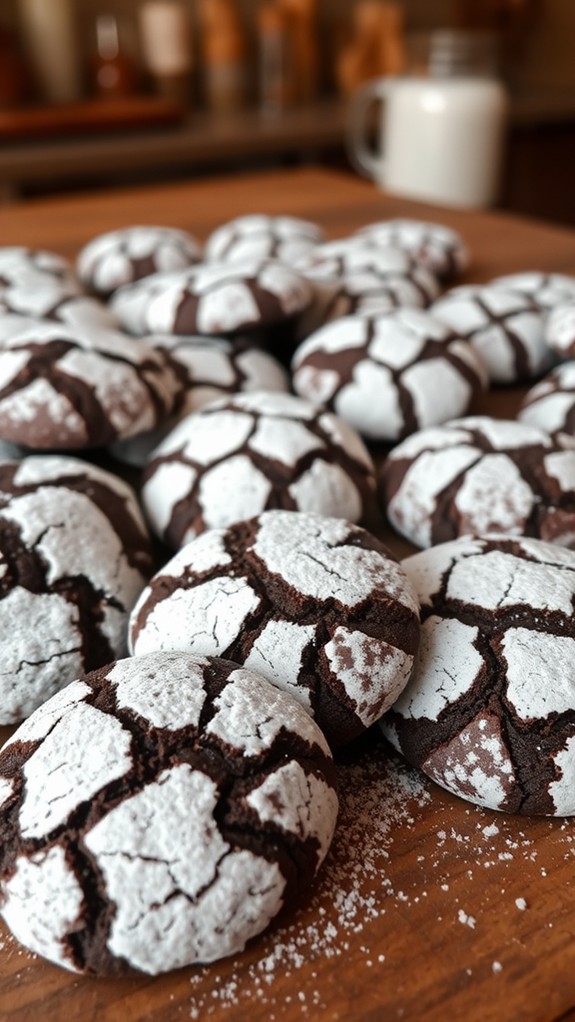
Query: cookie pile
{"type": "Point", "coordinates": [179, 712]}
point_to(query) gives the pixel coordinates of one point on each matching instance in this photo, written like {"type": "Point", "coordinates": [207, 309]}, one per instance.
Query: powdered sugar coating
{"type": "Point", "coordinates": [489, 710]}
{"type": "Point", "coordinates": [389, 375]}
{"type": "Point", "coordinates": [33, 269]}
{"type": "Point", "coordinates": [505, 326]}
{"type": "Point", "coordinates": [130, 253]}
{"type": "Point", "coordinates": [257, 236]}
{"type": "Point", "coordinates": [76, 554]}
{"type": "Point", "coordinates": [441, 249]}
{"type": "Point", "coordinates": [66, 757]}
{"type": "Point", "coordinates": [213, 299]}
{"type": "Point", "coordinates": [235, 457]}
{"type": "Point", "coordinates": [144, 878]}
{"type": "Point", "coordinates": [375, 279]}
{"type": "Point", "coordinates": [546, 289]}
{"type": "Point", "coordinates": [550, 404]}
{"type": "Point", "coordinates": [44, 881]}
{"type": "Point", "coordinates": [315, 604]}
{"type": "Point", "coordinates": [207, 369]}
{"type": "Point", "coordinates": [68, 388]}
{"type": "Point", "coordinates": [476, 475]}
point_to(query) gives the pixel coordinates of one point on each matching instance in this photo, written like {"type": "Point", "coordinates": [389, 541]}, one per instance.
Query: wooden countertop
{"type": "Point", "coordinates": [427, 908]}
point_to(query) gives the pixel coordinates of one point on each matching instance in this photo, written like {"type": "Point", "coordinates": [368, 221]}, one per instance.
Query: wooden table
{"type": "Point", "coordinates": [427, 908]}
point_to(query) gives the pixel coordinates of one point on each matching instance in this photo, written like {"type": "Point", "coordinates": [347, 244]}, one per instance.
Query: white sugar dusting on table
{"type": "Point", "coordinates": [378, 796]}
{"type": "Point", "coordinates": [381, 799]}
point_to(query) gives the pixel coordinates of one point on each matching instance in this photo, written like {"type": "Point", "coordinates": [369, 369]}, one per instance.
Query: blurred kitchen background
{"type": "Point", "coordinates": [114, 92]}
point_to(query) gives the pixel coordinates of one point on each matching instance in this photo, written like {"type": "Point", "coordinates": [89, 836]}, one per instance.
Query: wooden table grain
{"type": "Point", "coordinates": [427, 908]}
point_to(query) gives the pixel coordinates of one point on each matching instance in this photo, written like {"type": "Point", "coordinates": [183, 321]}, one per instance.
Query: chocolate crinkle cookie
{"type": "Point", "coordinates": [550, 404]}
{"type": "Point", "coordinates": [248, 453]}
{"type": "Point", "coordinates": [49, 303]}
{"type": "Point", "coordinates": [130, 253]}
{"type": "Point", "coordinates": [375, 279]}
{"type": "Point", "coordinates": [30, 269]}
{"type": "Point", "coordinates": [74, 556]}
{"type": "Point", "coordinates": [546, 290]}
{"type": "Point", "coordinates": [315, 604]}
{"type": "Point", "coordinates": [389, 375]}
{"type": "Point", "coordinates": [160, 812]}
{"type": "Point", "coordinates": [213, 298]}
{"type": "Point", "coordinates": [259, 236]}
{"type": "Point", "coordinates": [64, 387]}
{"type": "Point", "coordinates": [477, 475]}
{"type": "Point", "coordinates": [489, 712]}
{"type": "Point", "coordinates": [505, 325]}
{"type": "Point", "coordinates": [208, 368]}
{"type": "Point", "coordinates": [441, 249]}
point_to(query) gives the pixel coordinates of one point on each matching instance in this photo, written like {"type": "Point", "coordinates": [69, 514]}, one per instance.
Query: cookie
{"type": "Point", "coordinates": [207, 369]}
{"type": "Point", "coordinates": [240, 456]}
{"type": "Point", "coordinates": [316, 605]}
{"type": "Point", "coordinates": [64, 388]}
{"type": "Point", "coordinates": [441, 249]}
{"type": "Point", "coordinates": [545, 289]}
{"type": "Point", "coordinates": [52, 303]}
{"type": "Point", "coordinates": [550, 404]}
{"type": "Point", "coordinates": [258, 236]}
{"type": "Point", "coordinates": [389, 375]}
{"type": "Point", "coordinates": [74, 554]}
{"type": "Point", "coordinates": [130, 253]}
{"type": "Point", "coordinates": [560, 329]}
{"type": "Point", "coordinates": [505, 326]}
{"type": "Point", "coordinates": [331, 300]}
{"type": "Point", "coordinates": [22, 267]}
{"type": "Point", "coordinates": [478, 475]}
{"type": "Point", "coordinates": [213, 298]}
{"type": "Point", "coordinates": [489, 712]}
{"type": "Point", "coordinates": [160, 812]}
{"type": "Point", "coordinates": [375, 279]}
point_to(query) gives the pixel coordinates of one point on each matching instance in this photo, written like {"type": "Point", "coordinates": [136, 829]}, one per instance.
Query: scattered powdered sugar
{"type": "Point", "coordinates": [466, 920]}
{"type": "Point", "coordinates": [378, 796]}
{"type": "Point", "coordinates": [383, 805]}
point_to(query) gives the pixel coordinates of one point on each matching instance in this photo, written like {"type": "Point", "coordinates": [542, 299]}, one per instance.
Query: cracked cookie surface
{"type": "Point", "coordinates": [240, 456]}
{"type": "Point", "coordinates": [259, 236]}
{"type": "Point", "coordinates": [373, 279]}
{"type": "Point", "coordinates": [317, 605]}
{"type": "Point", "coordinates": [505, 325]}
{"type": "Point", "coordinates": [160, 812]}
{"type": "Point", "coordinates": [477, 475]}
{"type": "Point", "coordinates": [213, 298]}
{"type": "Point", "coordinates": [550, 404]}
{"type": "Point", "coordinates": [441, 249]}
{"type": "Point", "coordinates": [63, 387]}
{"type": "Point", "coordinates": [74, 556]}
{"type": "Point", "coordinates": [131, 253]}
{"type": "Point", "coordinates": [389, 375]}
{"type": "Point", "coordinates": [489, 712]}
{"type": "Point", "coordinates": [207, 368]}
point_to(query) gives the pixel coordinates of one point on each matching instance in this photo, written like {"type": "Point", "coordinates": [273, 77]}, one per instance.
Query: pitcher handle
{"type": "Point", "coordinates": [364, 158]}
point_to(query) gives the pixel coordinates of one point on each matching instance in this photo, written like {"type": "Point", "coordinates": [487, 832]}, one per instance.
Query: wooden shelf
{"type": "Point", "coordinates": [541, 145]}
{"type": "Point", "coordinates": [201, 140]}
